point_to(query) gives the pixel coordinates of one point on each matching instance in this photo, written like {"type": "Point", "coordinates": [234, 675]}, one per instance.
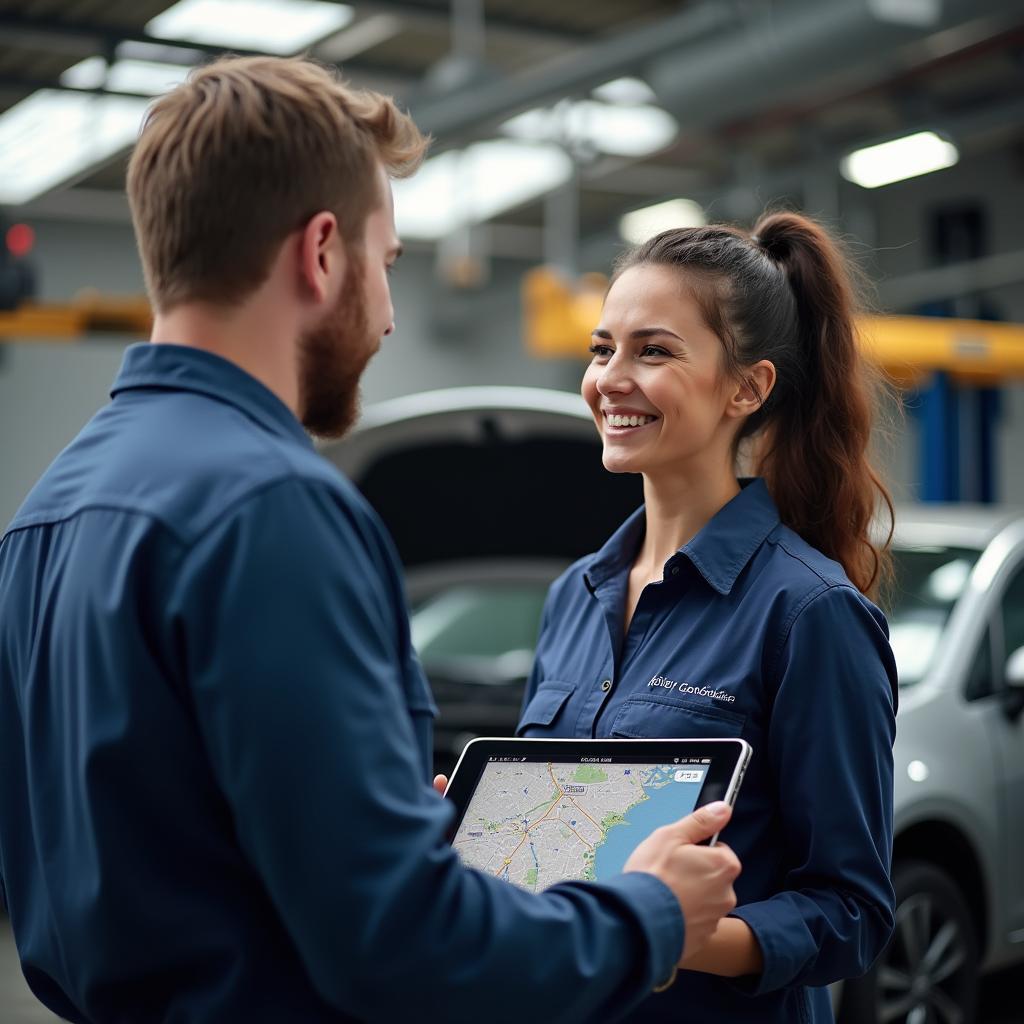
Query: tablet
{"type": "Point", "coordinates": [535, 811]}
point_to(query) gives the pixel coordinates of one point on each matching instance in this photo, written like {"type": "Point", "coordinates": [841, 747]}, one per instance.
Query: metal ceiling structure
{"type": "Point", "coordinates": [768, 93]}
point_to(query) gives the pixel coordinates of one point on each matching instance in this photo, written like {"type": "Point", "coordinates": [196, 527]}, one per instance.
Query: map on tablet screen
{"type": "Point", "coordinates": [536, 823]}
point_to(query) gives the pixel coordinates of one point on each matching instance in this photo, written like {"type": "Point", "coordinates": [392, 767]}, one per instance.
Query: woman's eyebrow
{"type": "Point", "coordinates": [638, 334]}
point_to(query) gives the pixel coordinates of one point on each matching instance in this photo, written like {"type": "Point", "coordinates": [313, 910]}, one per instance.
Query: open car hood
{"type": "Point", "coordinates": [475, 473]}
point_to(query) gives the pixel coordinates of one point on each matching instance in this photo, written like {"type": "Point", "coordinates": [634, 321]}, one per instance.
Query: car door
{"type": "Point", "coordinates": [1006, 729]}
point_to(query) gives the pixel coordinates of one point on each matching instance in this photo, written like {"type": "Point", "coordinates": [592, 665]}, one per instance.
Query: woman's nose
{"type": "Point", "coordinates": [614, 378]}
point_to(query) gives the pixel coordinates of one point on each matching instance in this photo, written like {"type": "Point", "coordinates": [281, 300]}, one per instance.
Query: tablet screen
{"type": "Point", "coordinates": [536, 822]}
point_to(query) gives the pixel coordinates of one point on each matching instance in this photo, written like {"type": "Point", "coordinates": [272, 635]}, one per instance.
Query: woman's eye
{"type": "Point", "coordinates": [601, 351]}
{"type": "Point", "coordinates": [653, 350]}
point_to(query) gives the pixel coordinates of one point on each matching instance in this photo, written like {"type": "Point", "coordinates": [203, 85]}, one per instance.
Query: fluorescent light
{"type": "Point", "coordinates": [616, 128]}
{"type": "Point", "coordinates": [625, 90]}
{"type": "Point", "coordinates": [53, 135]}
{"type": "Point", "coordinates": [908, 157]}
{"type": "Point", "coordinates": [919, 13]}
{"type": "Point", "coordinates": [638, 226]}
{"type": "Point", "coordinates": [475, 184]}
{"type": "Point", "coordinates": [149, 77]}
{"type": "Point", "coordinates": [275, 26]}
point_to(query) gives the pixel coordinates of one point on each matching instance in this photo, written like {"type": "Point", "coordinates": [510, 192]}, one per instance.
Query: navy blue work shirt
{"type": "Point", "coordinates": [750, 633]}
{"type": "Point", "coordinates": [215, 748]}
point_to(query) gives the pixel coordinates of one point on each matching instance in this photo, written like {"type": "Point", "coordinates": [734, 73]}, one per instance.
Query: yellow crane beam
{"type": "Point", "coordinates": [89, 313]}
{"type": "Point", "coordinates": [559, 314]}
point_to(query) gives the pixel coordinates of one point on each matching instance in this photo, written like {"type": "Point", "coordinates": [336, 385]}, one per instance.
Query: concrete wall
{"type": "Point", "coordinates": [900, 214]}
{"type": "Point", "coordinates": [47, 391]}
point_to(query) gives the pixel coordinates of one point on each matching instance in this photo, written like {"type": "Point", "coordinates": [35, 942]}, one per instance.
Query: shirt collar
{"type": "Point", "coordinates": [183, 368]}
{"type": "Point", "coordinates": [719, 552]}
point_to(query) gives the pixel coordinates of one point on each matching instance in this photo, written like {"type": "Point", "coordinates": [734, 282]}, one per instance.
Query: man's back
{"type": "Point", "coordinates": [214, 798]}
{"type": "Point", "coordinates": [116, 845]}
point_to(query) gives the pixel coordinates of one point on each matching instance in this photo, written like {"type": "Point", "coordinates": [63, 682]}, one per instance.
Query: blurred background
{"type": "Point", "coordinates": [563, 130]}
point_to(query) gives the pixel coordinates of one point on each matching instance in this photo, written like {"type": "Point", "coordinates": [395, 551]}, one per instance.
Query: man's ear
{"type": "Point", "coordinates": [752, 390]}
{"type": "Point", "coordinates": [321, 257]}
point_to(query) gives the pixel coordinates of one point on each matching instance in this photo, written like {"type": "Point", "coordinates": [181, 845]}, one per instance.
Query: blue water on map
{"type": "Point", "coordinates": [664, 805]}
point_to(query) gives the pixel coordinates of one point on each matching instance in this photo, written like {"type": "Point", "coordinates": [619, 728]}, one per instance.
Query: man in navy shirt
{"type": "Point", "coordinates": [215, 734]}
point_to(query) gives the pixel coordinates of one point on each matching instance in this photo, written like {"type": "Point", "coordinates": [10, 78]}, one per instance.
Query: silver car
{"type": "Point", "coordinates": [491, 492]}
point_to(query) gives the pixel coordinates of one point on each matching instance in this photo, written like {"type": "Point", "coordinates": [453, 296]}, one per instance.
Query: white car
{"type": "Point", "coordinates": [491, 492]}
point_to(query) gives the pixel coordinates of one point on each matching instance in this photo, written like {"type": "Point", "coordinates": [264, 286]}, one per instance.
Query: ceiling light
{"type": "Point", "coordinates": [638, 226]}
{"type": "Point", "coordinates": [908, 157]}
{"type": "Point", "coordinates": [275, 26]}
{"type": "Point", "coordinates": [138, 76]}
{"type": "Point", "coordinates": [53, 136]}
{"type": "Point", "coordinates": [625, 90]}
{"type": "Point", "coordinates": [919, 13]}
{"type": "Point", "coordinates": [619, 129]}
{"type": "Point", "coordinates": [475, 184]}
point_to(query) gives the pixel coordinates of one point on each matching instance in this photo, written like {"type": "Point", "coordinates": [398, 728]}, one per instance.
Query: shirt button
{"type": "Point", "coordinates": [606, 685]}
{"type": "Point", "coordinates": [675, 570]}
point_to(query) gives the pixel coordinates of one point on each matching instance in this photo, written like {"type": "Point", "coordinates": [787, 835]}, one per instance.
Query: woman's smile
{"type": "Point", "coordinates": [622, 422]}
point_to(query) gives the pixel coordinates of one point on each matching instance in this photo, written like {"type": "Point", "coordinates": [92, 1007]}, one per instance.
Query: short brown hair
{"type": "Point", "coordinates": [244, 153]}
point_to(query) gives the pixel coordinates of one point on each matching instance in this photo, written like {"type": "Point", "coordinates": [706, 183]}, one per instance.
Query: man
{"type": "Point", "coordinates": [215, 733]}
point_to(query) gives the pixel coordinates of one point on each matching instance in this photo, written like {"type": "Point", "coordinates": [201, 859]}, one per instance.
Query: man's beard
{"type": "Point", "coordinates": [332, 358]}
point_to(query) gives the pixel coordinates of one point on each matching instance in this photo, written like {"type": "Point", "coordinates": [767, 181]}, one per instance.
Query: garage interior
{"type": "Point", "coordinates": [561, 132]}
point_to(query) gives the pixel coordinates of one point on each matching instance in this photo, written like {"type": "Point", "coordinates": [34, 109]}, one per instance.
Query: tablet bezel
{"type": "Point", "coordinates": [729, 759]}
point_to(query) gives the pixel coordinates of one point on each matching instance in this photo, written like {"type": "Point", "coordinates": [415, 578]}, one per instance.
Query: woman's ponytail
{"type": "Point", "coordinates": [815, 459]}
{"type": "Point", "coordinates": [784, 294]}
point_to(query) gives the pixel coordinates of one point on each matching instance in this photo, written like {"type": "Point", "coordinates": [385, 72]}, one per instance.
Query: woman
{"type": "Point", "coordinates": [741, 608]}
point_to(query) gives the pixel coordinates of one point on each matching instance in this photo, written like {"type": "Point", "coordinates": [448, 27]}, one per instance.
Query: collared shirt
{"type": "Point", "coordinates": [750, 633]}
{"type": "Point", "coordinates": [215, 742]}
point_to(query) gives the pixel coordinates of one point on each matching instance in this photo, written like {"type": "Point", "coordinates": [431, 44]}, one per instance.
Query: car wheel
{"type": "Point", "coordinates": [928, 973]}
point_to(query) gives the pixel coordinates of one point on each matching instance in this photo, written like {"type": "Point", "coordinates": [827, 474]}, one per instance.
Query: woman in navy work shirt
{"type": "Point", "coordinates": [739, 608]}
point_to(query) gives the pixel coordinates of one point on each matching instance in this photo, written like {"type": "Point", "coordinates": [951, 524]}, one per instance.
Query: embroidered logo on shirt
{"type": "Point", "coordinates": [697, 691]}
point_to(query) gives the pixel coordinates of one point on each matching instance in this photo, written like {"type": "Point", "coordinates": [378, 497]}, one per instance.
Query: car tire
{"type": "Point", "coordinates": [928, 973]}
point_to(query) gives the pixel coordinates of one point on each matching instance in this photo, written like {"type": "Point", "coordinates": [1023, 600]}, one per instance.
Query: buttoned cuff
{"type": "Point", "coordinates": [786, 945]}
{"type": "Point", "coordinates": [658, 914]}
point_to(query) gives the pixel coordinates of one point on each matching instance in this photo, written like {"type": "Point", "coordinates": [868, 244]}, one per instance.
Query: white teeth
{"type": "Point", "coordinates": [629, 421]}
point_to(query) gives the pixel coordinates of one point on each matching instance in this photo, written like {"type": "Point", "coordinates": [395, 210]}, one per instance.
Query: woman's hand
{"type": "Point", "coordinates": [441, 783]}
{"type": "Point", "coordinates": [731, 952]}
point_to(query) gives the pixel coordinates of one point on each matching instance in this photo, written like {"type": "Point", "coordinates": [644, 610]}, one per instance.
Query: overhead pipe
{"type": "Point", "coordinates": [463, 113]}
{"type": "Point", "coordinates": [775, 59]}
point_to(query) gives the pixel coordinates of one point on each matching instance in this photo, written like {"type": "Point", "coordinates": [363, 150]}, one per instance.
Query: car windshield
{"type": "Point", "coordinates": [483, 620]}
{"type": "Point", "coordinates": [928, 582]}
{"type": "Point", "coordinates": [497, 622]}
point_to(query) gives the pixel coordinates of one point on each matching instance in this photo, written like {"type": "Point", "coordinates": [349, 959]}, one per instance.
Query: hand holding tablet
{"type": "Point", "coordinates": [700, 878]}
{"type": "Point", "coordinates": [538, 812]}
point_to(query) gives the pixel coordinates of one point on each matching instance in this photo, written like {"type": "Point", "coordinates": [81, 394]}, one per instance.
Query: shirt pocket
{"type": "Point", "coordinates": [545, 705]}
{"type": "Point", "coordinates": [653, 717]}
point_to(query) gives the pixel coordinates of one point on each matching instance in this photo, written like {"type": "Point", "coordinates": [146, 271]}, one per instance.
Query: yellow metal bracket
{"type": "Point", "coordinates": [90, 313]}
{"type": "Point", "coordinates": [559, 314]}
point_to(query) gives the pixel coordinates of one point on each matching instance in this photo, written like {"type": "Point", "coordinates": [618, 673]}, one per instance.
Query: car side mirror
{"type": "Point", "coordinates": [1013, 680]}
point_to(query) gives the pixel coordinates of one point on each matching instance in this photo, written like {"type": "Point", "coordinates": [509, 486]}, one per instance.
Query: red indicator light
{"type": "Point", "coordinates": [20, 239]}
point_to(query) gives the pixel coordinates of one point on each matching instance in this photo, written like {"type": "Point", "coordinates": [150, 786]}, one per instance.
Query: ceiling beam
{"type": "Point", "coordinates": [464, 113]}
{"type": "Point", "coordinates": [952, 281]}
{"type": "Point", "coordinates": [433, 18]}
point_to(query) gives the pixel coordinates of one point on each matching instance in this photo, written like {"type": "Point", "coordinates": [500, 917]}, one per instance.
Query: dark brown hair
{"type": "Point", "coordinates": [244, 153]}
{"type": "Point", "coordinates": [784, 293]}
